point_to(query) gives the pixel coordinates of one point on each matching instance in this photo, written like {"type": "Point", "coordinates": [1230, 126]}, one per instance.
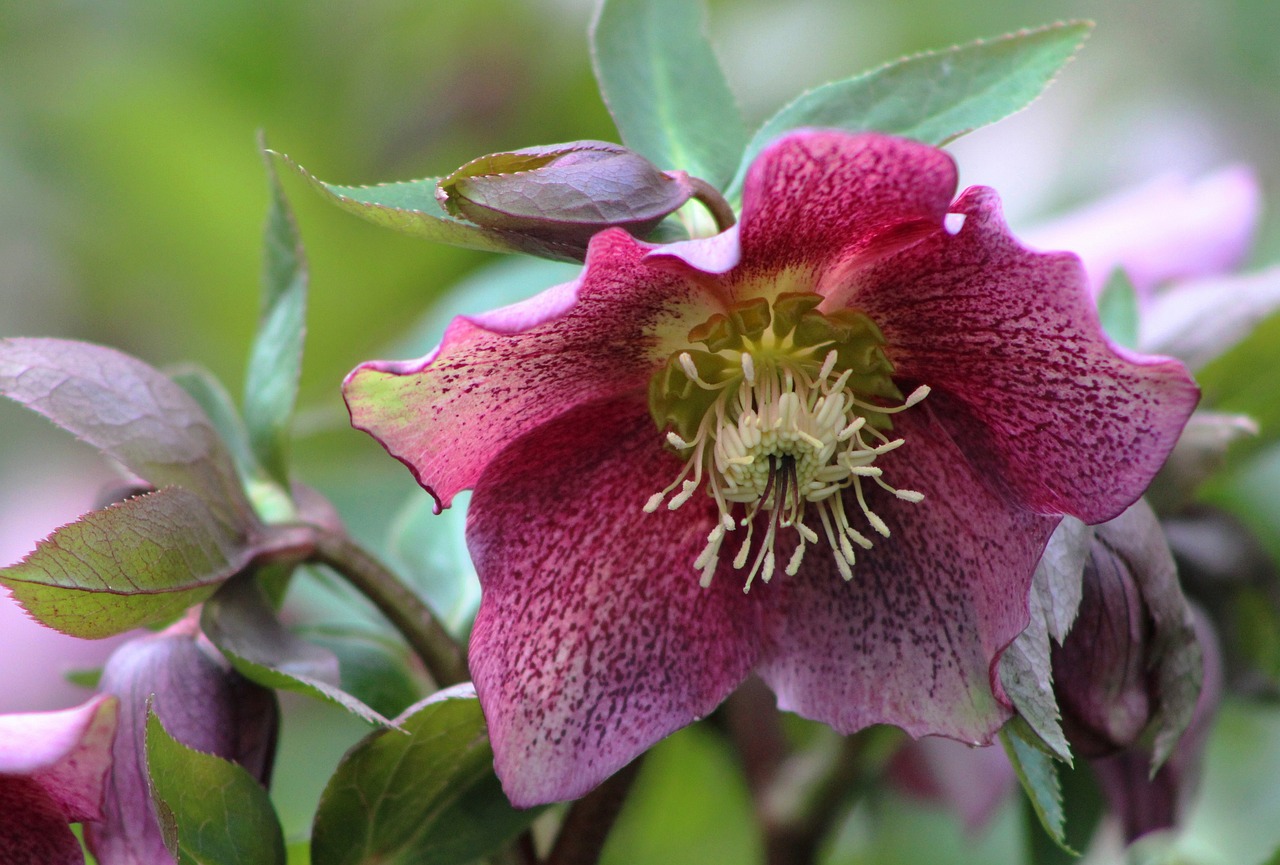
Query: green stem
{"type": "Point", "coordinates": [714, 202]}
{"type": "Point", "coordinates": [440, 654]}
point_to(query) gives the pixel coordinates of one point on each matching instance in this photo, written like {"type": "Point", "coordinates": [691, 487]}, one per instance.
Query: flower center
{"type": "Point", "coordinates": [776, 416]}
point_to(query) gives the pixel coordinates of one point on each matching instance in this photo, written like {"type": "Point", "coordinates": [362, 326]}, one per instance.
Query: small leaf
{"type": "Point", "coordinates": [1039, 777]}
{"type": "Point", "coordinates": [140, 561]}
{"type": "Point", "coordinates": [426, 797]}
{"type": "Point", "coordinates": [1026, 671]}
{"type": "Point", "coordinates": [211, 811]}
{"type": "Point", "coordinates": [373, 669]}
{"type": "Point", "coordinates": [664, 87]}
{"type": "Point", "coordinates": [933, 97]}
{"type": "Point", "coordinates": [410, 206]}
{"type": "Point", "coordinates": [239, 620]}
{"type": "Point", "coordinates": [275, 361]}
{"type": "Point", "coordinates": [1118, 309]}
{"type": "Point", "coordinates": [130, 411]}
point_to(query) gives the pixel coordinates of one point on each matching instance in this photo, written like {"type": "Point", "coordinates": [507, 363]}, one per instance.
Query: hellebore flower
{"type": "Point", "coordinates": [202, 703]}
{"type": "Point", "coordinates": [53, 766]}
{"type": "Point", "coordinates": [871, 422]}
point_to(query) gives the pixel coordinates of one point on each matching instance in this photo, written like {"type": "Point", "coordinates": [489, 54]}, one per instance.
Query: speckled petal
{"type": "Point", "coordinates": [33, 829]}
{"type": "Point", "coordinates": [913, 638]}
{"type": "Point", "coordinates": [1022, 375]}
{"type": "Point", "coordinates": [497, 376]}
{"type": "Point", "coordinates": [594, 639]}
{"type": "Point", "coordinates": [817, 197]}
{"type": "Point", "coordinates": [66, 753]}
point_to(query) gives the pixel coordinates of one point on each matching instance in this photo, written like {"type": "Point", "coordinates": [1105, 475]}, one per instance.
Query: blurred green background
{"type": "Point", "coordinates": [132, 198]}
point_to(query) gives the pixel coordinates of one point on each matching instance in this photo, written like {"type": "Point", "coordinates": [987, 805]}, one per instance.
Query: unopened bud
{"type": "Point", "coordinates": [202, 702]}
{"type": "Point", "coordinates": [564, 193]}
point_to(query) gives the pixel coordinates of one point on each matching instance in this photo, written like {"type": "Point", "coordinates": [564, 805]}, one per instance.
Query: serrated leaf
{"type": "Point", "coordinates": [426, 798]}
{"type": "Point", "coordinates": [1118, 309]}
{"type": "Point", "coordinates": [240, 622]}
{"type": "Point", "coordinates": [934, 97]}
{"type": "Point", "coordinates": [211, 811]}
{"type": "Point", "coordinates": [664, 87]}
{"type": "Point", "coordinates": [275, 360]}
{"type": "Point", "coordinates": [140, 561]}
{"type": "Point", "coordinates": [372, 668]}
{"type": "Point", "coordinates": [1038, 775]}
{"type": "Point", "coordinates": [1026, 671]}
{"type": "Point", "coordinates": [130, 411]}
{"type": "Point", "coordinates": [410, 206]}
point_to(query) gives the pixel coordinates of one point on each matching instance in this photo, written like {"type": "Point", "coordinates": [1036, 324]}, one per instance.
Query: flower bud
{"type": "Point", "coordinates": [563, 194]}
{"type": "Point", "coordinates": [1101, 667]}
{"type": "Point", "coordinates": [202, 702]}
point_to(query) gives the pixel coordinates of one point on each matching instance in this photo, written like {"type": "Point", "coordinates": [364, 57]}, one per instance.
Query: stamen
{"type": "Point", "coordinates": [783, 436]}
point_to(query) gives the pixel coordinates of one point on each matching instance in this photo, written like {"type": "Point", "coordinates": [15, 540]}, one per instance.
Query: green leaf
{"type": "Point", "coordinates": [140, 561]}
{"type": "Point", "coordinates": [1026, 670]}
{"type": "Point", "coordinates": [664, 87]}
{"type": "Point", "coordinates": [1039, 777]}
{"type": "Point", "coordinates": [1118, 309]}
{"type": "Point", "coordinates": [430, 550]}
{"type": "Point", "coordinates": [240, 622]}
{"type": "Point", "coordinates": [372, 668]}
{"type": "Point", "coordinates": [275, 361]}
{"type": "Point", "coordinates": [410, 206]}
{"type": "Point", "coordinates": [933, 97]}
{"type": "Point", "coordinates": [426, 797]}
{"type": "Point", "coordinates": [211, 811]}
{"type": "Point", "coordinates": [130, 411]}
{"type": "Point", "coordinates": [203, 387]}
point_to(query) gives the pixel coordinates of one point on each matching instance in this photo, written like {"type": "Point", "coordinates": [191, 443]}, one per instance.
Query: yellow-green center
{"type": "Point", "coordinates": [783, 410]}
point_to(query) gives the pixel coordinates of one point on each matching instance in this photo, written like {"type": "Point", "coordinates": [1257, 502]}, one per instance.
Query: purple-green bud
{"type": "Point", "coordinates": [564, 193]}
{"type": "Point", "coordinates": [202, 702]}
{"type": "Point", "coordinates": [1101, 669]}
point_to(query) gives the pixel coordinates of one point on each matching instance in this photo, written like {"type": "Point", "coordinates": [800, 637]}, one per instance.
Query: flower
{"type": "Point", "coordinates": [866, 419]}
{"type": "Point", "coordinates": [53, 766]}
{"type": "Point", "coordinates": [202, 702]}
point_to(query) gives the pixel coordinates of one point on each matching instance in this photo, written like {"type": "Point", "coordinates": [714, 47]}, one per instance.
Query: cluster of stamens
{"type": "Point", "coordinates": [783, 434]}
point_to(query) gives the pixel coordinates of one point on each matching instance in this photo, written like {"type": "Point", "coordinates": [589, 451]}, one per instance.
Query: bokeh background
{"type": "Point", "coordinates": [132, 197]}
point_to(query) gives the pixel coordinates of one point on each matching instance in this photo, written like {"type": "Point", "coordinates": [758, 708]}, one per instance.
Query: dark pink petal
{"type": "Point", "coordinates": [496, 377]}
{"type": "Point", "coordinates": [67, 754]}
{"type": "Point", "coordinates": [912, 639]}
{"type": "Point", "coordinates": [33, 829]}
{"type": "Point", "coordinates": [1023, 378]}
{"type": "Point", "coordinates": [816, 197]}
{"type": "Point", "coordinates": [594, 639]}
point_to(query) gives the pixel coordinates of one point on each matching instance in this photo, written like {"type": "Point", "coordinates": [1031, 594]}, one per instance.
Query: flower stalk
{"type": "Point", "coordinates": [425, 635]}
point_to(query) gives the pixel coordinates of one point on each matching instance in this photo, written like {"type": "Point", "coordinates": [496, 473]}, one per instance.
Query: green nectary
{"type": "Point", "coordinates": [791, 333]}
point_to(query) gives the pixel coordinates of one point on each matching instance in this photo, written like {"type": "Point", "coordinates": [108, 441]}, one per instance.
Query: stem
{"type": "Point", "coordinates": [586, 826]}
{"type": "Point", "coordinates": [797, 797]}
{"type": "Point", "coordinates": [714, 202]}
{"type": "Point", "coordinates": [441, 656]}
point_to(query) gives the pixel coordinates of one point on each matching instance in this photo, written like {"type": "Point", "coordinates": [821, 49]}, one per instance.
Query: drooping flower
{"type": "Point", "coordinates": [53, 767]}
{"type": "Point", "coordinates": [870, 421]}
